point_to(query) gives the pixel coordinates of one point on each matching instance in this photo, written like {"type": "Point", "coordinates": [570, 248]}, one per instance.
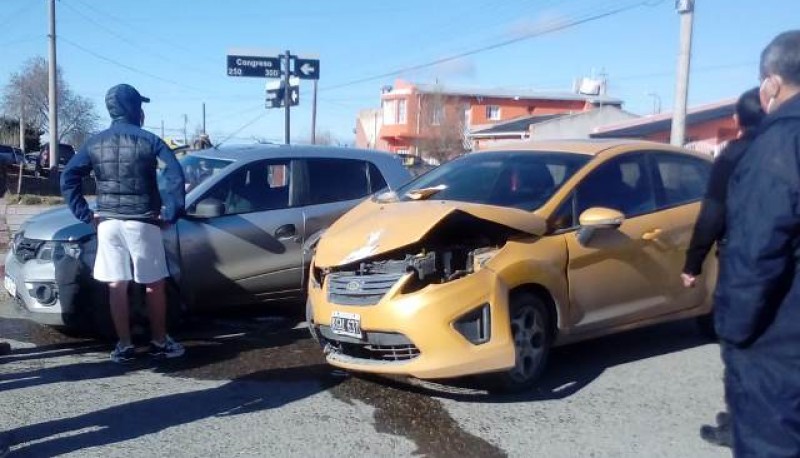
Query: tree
{"type": "Point", "coordinates": [27, 93]}
{"type": "Point", "coordinates": [444, 136]}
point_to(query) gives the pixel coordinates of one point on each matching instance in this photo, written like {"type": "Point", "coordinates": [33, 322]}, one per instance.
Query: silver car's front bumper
{"type": "Point", "coordinates": [26, 277]}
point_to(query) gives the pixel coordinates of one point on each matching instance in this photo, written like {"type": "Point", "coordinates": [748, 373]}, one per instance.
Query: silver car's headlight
{"type": "Point", "coordinates": [50, 251]}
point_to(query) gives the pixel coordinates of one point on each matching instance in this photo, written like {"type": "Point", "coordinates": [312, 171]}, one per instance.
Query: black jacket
{"type": "Point", "coordinates": [758, 293]}
{"type": "Point", "coordinates": [124, 159]}
{"type": "Point", "coordinates": [710, 226]}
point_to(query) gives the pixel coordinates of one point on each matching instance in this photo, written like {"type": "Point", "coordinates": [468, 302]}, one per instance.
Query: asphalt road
{"type": "Point", "coordinates": [254, 385]}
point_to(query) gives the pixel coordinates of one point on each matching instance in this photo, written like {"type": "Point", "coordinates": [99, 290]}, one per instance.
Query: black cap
{"type": "Point", "coordinates": [127, 92]}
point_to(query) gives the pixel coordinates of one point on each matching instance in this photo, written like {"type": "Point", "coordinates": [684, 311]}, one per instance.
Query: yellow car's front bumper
{"type": "Point", "coordinates": [426, 318]}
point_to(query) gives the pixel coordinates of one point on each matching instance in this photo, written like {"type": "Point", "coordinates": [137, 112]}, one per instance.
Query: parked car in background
{"type": "Point", "coordinates": [65, 153]}
{"type": "Point", "coordinates": [485, 263]}
{"type": "Point", "coordinates": [252, 214]}
{"type": "Point", "coordinates": [11, 156]}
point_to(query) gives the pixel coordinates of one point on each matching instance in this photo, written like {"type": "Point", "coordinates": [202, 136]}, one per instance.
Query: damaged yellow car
{"type": "Point", "coordinates": [484, 264]}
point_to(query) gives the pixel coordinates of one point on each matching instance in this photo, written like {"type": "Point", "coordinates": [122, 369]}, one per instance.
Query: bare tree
{"type": "Point", "coordinates": [27, 93]}
{"type": "Point", "coordinates": [444, 135]}
{"type": "Point", "coordinates": [325, 138]}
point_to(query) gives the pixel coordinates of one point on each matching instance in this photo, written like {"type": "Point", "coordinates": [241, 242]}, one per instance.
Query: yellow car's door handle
{"type": "Point", "coordinates": [651, 235]}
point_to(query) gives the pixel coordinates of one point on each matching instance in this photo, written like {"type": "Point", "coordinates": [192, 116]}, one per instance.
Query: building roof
{"type": "Point", "coordinates": [649, 125]}
{"type": "Point", "coordinates": [514, 126]}
{"type": "Point", "coordinates": [501, 93]}
{"type": "Point", "coordinates": [591, 147]}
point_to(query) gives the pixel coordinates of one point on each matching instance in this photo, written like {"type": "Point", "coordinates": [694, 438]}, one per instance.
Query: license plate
{"type": "Point", "coordinates": [10, 286]}
{"type": "Point", "coordinates": [346, 324]}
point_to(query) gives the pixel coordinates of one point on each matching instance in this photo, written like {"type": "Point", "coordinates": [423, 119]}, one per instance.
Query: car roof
{"type": "Point", "coordinates": [591, 147]}
{"type": "Point", "coordinates": [262, 151]}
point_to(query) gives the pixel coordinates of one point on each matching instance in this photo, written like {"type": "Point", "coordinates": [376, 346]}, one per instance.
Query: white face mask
{"type": "Point", "coordinates": [770, 105]}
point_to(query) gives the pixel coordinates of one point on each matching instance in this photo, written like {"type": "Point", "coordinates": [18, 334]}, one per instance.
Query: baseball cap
{"type": "Point", "coordinates": [127, 92]}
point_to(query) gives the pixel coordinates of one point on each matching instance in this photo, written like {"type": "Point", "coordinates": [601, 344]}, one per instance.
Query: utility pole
{"type": "Point", "coordinates": [287, 98]}
{"type": "Point", "coordinates": [21, 144]}
{"type": "Point", "coordinates": [204, 118]}
{"type": "Point", "coordinates": [314, 115]}
{"type": "Point", "coordinates": [185, 137]}
{"type": "Point", "coordinates": [162, 129]}
{"type": "Point", "coordinates": [53, 108]}
{"type": "Point", "coordinates": [685, 9]}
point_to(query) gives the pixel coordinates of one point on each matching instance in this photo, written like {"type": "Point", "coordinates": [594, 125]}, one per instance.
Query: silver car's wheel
{"type": "Point", "coordinates": [530, 338]}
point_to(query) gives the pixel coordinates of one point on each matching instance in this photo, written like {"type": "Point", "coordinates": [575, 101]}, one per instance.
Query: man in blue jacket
{"type": "Point", "coordinates": [758, 296]}
{"type": "Point", "coordinates": [129, 214]}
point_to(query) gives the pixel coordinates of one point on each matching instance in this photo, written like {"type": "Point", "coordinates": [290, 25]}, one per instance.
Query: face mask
{"type": "Point", "coordinates": [768, 92]}
{"type": "Point", "coordinates": [141, 118]}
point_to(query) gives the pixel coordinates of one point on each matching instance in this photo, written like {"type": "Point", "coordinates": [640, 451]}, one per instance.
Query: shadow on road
{"type": "Point", "coordinates": [139, 418]}
{"type": "Point", "coordinates": [573, 367]}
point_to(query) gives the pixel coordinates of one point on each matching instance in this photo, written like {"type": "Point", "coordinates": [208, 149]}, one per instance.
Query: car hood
{"type": "Point", "coordinates": [56, 224]}
{"type": "Point", "coordinates": [373, 228]}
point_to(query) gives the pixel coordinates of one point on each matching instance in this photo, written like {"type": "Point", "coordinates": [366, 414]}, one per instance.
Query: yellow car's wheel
{"type": "Point", "coordinates": [531, 329]}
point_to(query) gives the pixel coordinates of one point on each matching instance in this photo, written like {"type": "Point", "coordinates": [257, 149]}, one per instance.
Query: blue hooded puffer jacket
{"type": "Point", "coordinates": [124, 160]}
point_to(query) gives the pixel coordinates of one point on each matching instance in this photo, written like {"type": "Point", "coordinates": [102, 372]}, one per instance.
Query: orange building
{"type": "Point", "coordinates": [423, 118]}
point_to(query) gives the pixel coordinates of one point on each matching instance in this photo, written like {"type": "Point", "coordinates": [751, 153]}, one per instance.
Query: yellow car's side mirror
{"type": "Point", "coordinates": [596, 218]}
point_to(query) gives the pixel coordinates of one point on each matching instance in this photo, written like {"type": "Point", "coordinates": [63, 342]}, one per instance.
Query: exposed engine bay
{"type": "Point", "coordinates": [459, 245]}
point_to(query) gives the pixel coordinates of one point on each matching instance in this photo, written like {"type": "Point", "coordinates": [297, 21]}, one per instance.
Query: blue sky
{"type": "Point", "coordinates": [174, 51]}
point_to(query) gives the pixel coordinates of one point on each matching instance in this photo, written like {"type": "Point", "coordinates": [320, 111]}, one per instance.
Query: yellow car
{"type": "Point", "coordinates": [485, 263]}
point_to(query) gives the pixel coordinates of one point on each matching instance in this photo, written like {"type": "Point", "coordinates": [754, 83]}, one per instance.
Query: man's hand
{"type": "Point", "coordinates": [689, 281]}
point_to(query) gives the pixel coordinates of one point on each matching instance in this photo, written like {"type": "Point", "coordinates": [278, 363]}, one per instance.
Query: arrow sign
{"type": "Point", "coordinates": [307, 69]}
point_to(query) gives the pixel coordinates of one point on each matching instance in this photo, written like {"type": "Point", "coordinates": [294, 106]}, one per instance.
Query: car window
{"type": "Point", "coordinates": [682, 179]}
{"type": "Point", "coordinates": [621, 183]}
{"type": "Point", "coordinates": [376, 180]}
{"type": "Point", "coordinates": [255, 187]}
{"type": "Point", "coordinates": [524, 180]}
{"type": "Point", "coordinates": [197, 169]}
{"type": "Point", "coordinates": [336, 180]}
{"type": "Point", "coordinates": [564, 217]}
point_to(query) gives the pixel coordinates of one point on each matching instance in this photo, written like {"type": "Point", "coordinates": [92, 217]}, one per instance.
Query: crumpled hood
{"type": "Point", "coordinates": [56, 224]}
{"type": "Point", "coordinates": [373, 228]}
{"type": "Point", "coordinates": [124, 106]}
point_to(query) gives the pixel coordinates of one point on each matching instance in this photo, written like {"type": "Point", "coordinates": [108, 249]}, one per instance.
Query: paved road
{"type": "Point", "coordinates": [254, 386]}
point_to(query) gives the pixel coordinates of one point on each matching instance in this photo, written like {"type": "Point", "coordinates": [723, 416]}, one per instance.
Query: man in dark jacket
{"type": "Point", "coordinates": [129, 214]}
{"type": "Point", "coordinates": [757, 306]}
{"type": "Point", "coordinates": [710, 226]}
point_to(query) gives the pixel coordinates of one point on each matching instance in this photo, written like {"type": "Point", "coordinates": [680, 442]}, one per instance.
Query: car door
{"type": "Point", "coordinates": [332, 186]}
{"type": "Point", "coordinates": [680, 183]}
{"type": "Point", "coordinates": [616, 276]}
{"type": "Point", "coordinates": [253, 250]}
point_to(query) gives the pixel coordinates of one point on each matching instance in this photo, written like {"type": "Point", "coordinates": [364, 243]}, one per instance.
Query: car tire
{"type": "Point", "coordinates": [530, 323]}
{"type": "Point", "coordinates": [705, 326]}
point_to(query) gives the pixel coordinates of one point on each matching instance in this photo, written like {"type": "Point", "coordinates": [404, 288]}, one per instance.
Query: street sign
{"type": "Point", "coordinates": [254, 66]}
{"type": "Point", "coordinates": [307, 69]}
{"type": "Point", "coordinates": [275, 94]}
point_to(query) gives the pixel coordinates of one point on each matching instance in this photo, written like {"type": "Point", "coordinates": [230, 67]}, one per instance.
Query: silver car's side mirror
{"type": "Point", "coordinates": [597, 218]}
{"type": "Point", "coordinates": [208, 208]}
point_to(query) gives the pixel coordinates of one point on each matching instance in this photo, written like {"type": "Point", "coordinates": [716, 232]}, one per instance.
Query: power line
{"type": "Point", "coordinates": [243, 127]}
{"type": "Point", "coordinates": [557, 26]}
{"type": "Point", "coordinates": [24, 9]}
{"type": "Point", "coordinates": [125, 66]}
{"type": "Point", "coordinates": [30, 38]}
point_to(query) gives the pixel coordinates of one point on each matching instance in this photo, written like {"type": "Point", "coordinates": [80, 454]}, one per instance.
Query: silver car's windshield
{"type": "Point", "coordinates": [197, 169]}
{"type": "Point", "coordinates": [524, 180]}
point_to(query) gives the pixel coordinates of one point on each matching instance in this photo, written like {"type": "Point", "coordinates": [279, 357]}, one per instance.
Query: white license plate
{"type": "Point", "coordinates": [10, 286]}
{"type": "Point", "coordinates": [346, 324]}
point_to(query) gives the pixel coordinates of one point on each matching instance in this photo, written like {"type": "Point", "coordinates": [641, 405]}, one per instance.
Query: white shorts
{"type": "Point", "coordinates": [125, 245]}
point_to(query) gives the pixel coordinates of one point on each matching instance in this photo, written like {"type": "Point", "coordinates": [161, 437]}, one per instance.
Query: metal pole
{"type": "Point", "coordinates": [686, 10]}
{"type": "Point", "coordinates": [204, 118]}
{"type": "Point", "coordinates": [21, 147]}
{"type": "Point", "coordinates": [314, 115]}
{"type": "Point", "coordinates": [185, 137]}
{"type": "Point", "coordinates": [162, 129]}
{"type": "Point", "coordinates": [53, 102]}
{"type": "Point", "coordinates": [287, 99]}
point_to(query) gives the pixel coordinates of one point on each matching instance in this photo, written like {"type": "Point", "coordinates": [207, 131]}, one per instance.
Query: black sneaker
{"type": "Point", "coordinates": [123, 354]}
{"type": "Point", "coordinates": [5, 348]}
{"type": "Point", "coordinates": [723, 419]}
{"type": "Point", "coordinates": [168, 349]}
{"type": "Point", "coordinates": [717, 435]}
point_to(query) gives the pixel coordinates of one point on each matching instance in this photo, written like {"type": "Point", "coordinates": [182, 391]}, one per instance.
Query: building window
{"type": "Point", "coordinates": [493, 112]}
{"type": "Point", "coordinates": [389, 112]}
{"type": "Point", "coordinates": [437, 115]}
{"type": "Point", "coordinates": [401, 111]}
